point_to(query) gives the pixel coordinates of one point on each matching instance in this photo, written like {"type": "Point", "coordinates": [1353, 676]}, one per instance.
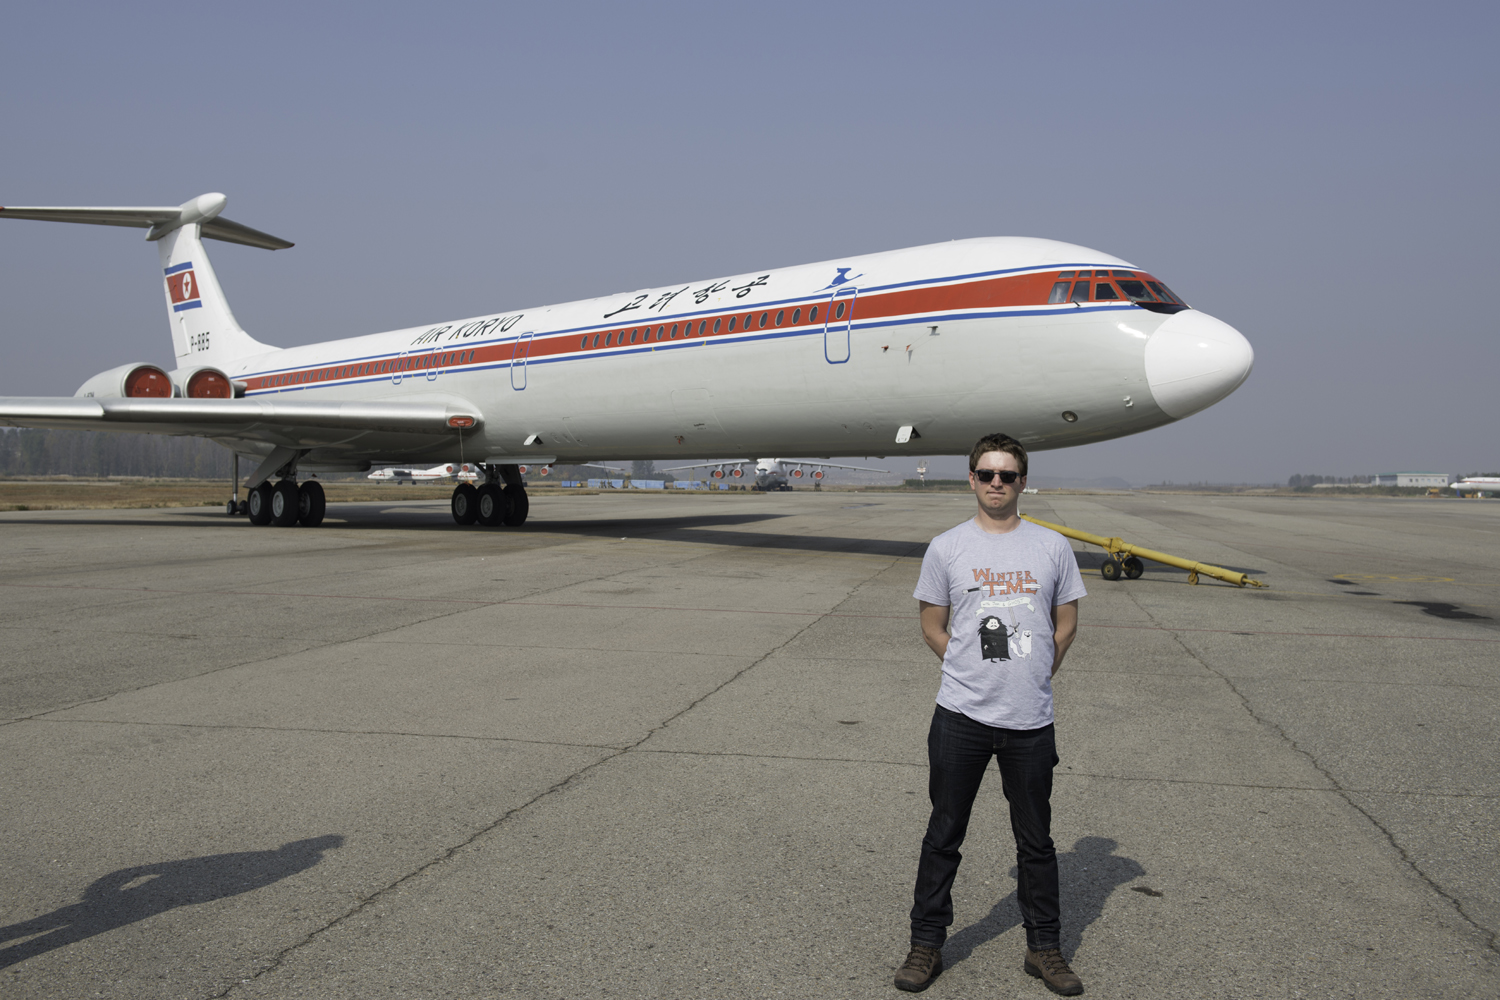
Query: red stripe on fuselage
{"type": "Point", "coordinates": [1008, 291]}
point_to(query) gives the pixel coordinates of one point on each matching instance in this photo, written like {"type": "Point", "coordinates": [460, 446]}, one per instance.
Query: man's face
{"type": "Point", "coordinates": [995, 495]}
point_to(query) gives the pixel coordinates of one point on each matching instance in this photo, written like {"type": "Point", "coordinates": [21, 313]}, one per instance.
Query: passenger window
{"type": "Point", "coordinates": [780, 315]}
{"type": "Point", "coordinates": [796, 316]}
{"type": "Point", "coordinates": [660, 332]}
{"type": "Point", "coordinates": [1080, 291]}
{"type": "Point", "coordinates": [812, 315]}
{"type": "Point", "coordinates": [716, 325]}
{"type": "Point", "coordinates": [839, 313]}
{"type": "Point", "coordinates": [763, 317]}
{"type": "Point", "coordinates": [1104, 290]}
{"type": "Point", "coordinates": [634, 334]}
{"type": "Point", "coordinates": [748, 318]}
{"type": "Point", "coordinates": [609, 339]}
{"type": "Point", "coordinates": [703, 325]}
{"type": "Point", "coordinates": [1136, 291]}
{"type": "Point", "coordinates": [583, 343]}
{"type": "Point", "coordinates": [1059, 292]}
{"type": "Point", "coordinates": [731, 323]}
{"type": "Point", "coordinates": [674, 331]}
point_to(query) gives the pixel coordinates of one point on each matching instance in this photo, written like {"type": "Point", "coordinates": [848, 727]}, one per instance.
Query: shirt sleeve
{"type": "Point", "coordinates": [1069, 580]}
{"type": "Point", "coordinates": [932, 585]}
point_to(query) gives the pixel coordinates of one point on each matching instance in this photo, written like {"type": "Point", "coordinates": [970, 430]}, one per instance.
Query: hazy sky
{"type": "Point", "coordinates": [1321, 176]}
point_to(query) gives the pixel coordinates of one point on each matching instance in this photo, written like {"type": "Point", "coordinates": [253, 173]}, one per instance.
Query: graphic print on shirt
{"type": "Point", "coordinates": [1000, 639]}
{"type": "Point", "coordinates": [994, 636]}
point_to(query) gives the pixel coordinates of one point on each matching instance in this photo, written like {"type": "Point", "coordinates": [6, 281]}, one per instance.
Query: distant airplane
{"type": "Point", "coordinates": [1478, 485]}
{"type": "Point", "coordinates": [464, 473]}
{"type": "Point", "coordinates": [907, 352]}
{"type": "Point", "coordinates": [771, 474]}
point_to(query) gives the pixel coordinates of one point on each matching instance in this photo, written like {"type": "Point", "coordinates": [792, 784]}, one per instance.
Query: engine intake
{"type": "Point", "coordinates": [137, 381]}
{"type": "Point", "coordinates": [209, 383]}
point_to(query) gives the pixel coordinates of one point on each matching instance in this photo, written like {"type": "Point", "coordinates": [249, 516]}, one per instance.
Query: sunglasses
{"type": "Point", "coordinates": [985, 475]}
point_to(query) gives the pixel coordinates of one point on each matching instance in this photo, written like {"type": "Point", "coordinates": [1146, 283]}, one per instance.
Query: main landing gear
{"type": "Point", "coordinates": [285, 503]}
{"type": "Point", "coordinates": [500, 500]}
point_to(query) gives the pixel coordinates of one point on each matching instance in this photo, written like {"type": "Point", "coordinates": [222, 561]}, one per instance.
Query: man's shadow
{"type": "Point", "coordinates": [1087, 876]}
{"type": "Point", "coordinates": [132, 894]}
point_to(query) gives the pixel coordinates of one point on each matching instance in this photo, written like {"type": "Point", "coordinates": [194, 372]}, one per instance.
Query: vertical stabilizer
{"type": "Point", "coordinates": [204, 330]}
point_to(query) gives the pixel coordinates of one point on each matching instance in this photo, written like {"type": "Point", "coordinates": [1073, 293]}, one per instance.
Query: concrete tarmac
{"type": "Point", "coordinates": [674, 746]}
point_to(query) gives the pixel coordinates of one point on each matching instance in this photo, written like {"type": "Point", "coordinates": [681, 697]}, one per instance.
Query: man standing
{"type": "Point", "coordinates": [999, 606]}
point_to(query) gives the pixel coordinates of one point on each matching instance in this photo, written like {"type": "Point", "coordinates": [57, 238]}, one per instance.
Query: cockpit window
{"type": "Point", "coordinates": [1135, 291]}
{"type": "Point", "coordinates": [1104, 290]}
{"type": "Point", "coordinates": [1124, 274]}
{"type": "Point", "coordinates": [1080, 292]}
{"type": "Point", "coordinates": [1065, 274]}
{"type": "Point", "coordinates": [1163, 291]}
{"type": "Point", "coordinates": [1059, 293]}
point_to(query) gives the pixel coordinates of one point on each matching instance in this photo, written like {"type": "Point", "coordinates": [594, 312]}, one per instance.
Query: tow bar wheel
{"type": "Point", "coordinates": [1110, 569]}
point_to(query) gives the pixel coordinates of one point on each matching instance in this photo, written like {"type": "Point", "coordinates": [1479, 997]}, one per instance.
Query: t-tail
{"type": "Point", "coordinates": [206, 338]}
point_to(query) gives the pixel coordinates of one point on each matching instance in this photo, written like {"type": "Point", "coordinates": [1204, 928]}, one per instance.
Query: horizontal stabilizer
{"type": "Point", "coordinates": [161, 220]}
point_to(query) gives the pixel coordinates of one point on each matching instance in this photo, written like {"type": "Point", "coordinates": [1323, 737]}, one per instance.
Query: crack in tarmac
{"type": "Point", "coordinates": [279, 959]}
{"type": "Point", "coordinates": [1488, 935]}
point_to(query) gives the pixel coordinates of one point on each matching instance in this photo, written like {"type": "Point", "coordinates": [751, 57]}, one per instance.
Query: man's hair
{"type": "Point", "coordinates": [998, 442]}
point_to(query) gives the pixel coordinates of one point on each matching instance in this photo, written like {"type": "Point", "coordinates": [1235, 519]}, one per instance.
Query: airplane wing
{"type": "Point", "coordinates": [705, 465]}
{"type": "Point", "coordinates": [828, 465]}
{"type": "Point", "coordinates": [299, 423]}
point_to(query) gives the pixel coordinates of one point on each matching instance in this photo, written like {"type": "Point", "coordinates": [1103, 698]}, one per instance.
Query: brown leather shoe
{"type": "Point", "coordinates": [922, 966]}
{"type": "Point", "coordinates": [1048, 966]}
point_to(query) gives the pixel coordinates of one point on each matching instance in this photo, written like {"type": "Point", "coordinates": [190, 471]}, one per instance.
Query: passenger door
{"type": "Point", "coordinates": [836, 325]}
{"type": "Point", "coordinates": [519, 353]}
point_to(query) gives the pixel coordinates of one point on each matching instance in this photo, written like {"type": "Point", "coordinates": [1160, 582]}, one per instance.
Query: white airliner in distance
{"type": "Point", "coordinates": [908, 352]}
{"type": "Point", "coordinates": [467, 472]}
{"type": "Point", "coordinates": [1477, 484]}
{"type": "Point", "coordinates": [771, 474]}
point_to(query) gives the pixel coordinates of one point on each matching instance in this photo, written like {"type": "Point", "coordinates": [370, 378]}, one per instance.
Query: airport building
{"type": "Point", "coordinates": [1413, 479]}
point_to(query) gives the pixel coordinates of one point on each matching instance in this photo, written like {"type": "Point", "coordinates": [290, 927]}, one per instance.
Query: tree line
{"type": "Point", "coordinates": [99, 453]}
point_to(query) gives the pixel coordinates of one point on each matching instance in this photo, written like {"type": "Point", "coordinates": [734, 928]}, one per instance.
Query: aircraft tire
{"type": "Point", "coordinates": [1134, 568]}
{"type": "Point", "coordinates": [286, 504]}
{"type": "Point", "coordinates": [231, 508]}
{"type": "Point", "coordinates": [311, 503]}
{"type": "Point", "coordinates": [258, 504]}
{"type": "Point", "coordinates": [493, 505]}
{"type": "Point", "coordinates": [465, 504]}
{"type": "Point", "coordinates": [1110, 570]}
{"type": "Point", "coordinates": [520, 506]}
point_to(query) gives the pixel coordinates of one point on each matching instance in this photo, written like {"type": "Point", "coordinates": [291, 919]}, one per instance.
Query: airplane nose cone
{"type": "Point", "coordinates": [1193, 361]}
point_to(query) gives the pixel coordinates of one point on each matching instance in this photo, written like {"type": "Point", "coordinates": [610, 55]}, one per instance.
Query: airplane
{"type": "Point", "coordinates": [911, 352]}
{"type": "Point", "coordinates": [1478, 485]}
{"type": "Point", "coordinates": [464, 473]}
{"type": "Point", "coordinates": [771, 474]}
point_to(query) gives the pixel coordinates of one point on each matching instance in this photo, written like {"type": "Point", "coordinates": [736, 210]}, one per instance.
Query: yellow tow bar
{"type": "Point", "coordinates": [1124, 553]}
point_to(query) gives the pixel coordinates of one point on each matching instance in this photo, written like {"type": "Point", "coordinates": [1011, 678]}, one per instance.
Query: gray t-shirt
{"type": "Point", "coordinates": [1001, 589]}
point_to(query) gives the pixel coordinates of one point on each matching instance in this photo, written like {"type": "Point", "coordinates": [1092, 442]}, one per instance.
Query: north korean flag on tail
{"type": "Point", "coordinates": [182, 287]}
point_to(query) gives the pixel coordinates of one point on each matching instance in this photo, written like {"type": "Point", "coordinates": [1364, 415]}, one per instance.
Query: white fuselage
{"type": "Point", "coordinates": [1477, 484]}
{"type": "Point", "coordinates": [953, 341]}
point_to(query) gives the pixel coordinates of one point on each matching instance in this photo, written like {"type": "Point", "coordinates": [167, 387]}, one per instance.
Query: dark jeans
{"type": "Point", "coordinates": [958, 751]}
